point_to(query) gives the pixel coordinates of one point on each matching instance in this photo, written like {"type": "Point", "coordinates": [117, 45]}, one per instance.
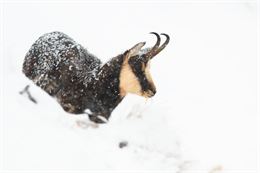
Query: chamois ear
{"type": "Point", "coordinates": [134, 50]}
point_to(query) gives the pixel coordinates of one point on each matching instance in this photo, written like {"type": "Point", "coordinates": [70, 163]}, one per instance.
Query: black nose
{"type": "Point", "coordinates": [154, 91]}
{"type": "Point", "coordinates": [151, 92]}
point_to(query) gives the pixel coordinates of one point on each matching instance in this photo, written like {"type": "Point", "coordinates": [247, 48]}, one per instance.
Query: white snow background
{"type": "Point", "coordinates": [203, 117]}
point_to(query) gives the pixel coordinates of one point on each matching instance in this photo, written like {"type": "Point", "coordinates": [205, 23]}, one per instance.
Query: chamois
{"type": "Point", "coordinates": [81, 83]}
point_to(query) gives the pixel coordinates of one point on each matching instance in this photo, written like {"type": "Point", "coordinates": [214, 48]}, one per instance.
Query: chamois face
{"type": "Point", "coordinates": [140, 67]}
{"type": "Point", "coordinates": [136, 77]}
{"type": "Point", "coordinates": [135, 74]}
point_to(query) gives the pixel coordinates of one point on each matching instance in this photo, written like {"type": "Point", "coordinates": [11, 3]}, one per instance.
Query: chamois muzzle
{"type": "Point", "coordinates": [157, 48]}
{"type": "Point", "coordinates": [150, 93]}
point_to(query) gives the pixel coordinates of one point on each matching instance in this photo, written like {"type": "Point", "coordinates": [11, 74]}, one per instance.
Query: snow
{"type": "Point", "coordinates": [202, 118]}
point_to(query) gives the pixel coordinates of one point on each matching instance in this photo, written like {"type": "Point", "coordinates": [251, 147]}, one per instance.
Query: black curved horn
{"type": "Point", "coordinates": [155, 47]}
{"type": "Point", "coordinates": [162, 46]}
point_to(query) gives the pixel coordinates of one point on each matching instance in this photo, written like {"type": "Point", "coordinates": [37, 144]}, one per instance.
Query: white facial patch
{"type": "Point", "coordinates": [128, 81]}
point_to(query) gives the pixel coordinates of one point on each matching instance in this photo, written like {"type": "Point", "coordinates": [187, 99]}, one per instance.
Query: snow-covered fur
{"type": "Point", "coordinates": [79, 81]}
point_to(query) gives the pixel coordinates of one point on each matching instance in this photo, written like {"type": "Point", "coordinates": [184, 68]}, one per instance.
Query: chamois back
{"type": "Point", "coordinates": [55, 61]}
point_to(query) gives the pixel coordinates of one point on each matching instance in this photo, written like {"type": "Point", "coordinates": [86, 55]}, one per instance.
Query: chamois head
{"type": "Point", "coordinates": [135, 74]}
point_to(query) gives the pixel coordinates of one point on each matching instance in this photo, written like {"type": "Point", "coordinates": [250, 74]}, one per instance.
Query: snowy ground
{"type": "Point", "coordinates": [203, 117]}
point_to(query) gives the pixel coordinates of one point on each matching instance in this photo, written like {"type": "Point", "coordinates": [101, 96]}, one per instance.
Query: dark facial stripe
{"type": "Point", "coordinates": [140, 74]}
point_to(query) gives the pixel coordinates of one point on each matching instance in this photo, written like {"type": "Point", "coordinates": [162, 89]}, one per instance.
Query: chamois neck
{"type": "Point", "coordinates": [106, 85]}
{"type": "Point", "coordinates": [110, 71]}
